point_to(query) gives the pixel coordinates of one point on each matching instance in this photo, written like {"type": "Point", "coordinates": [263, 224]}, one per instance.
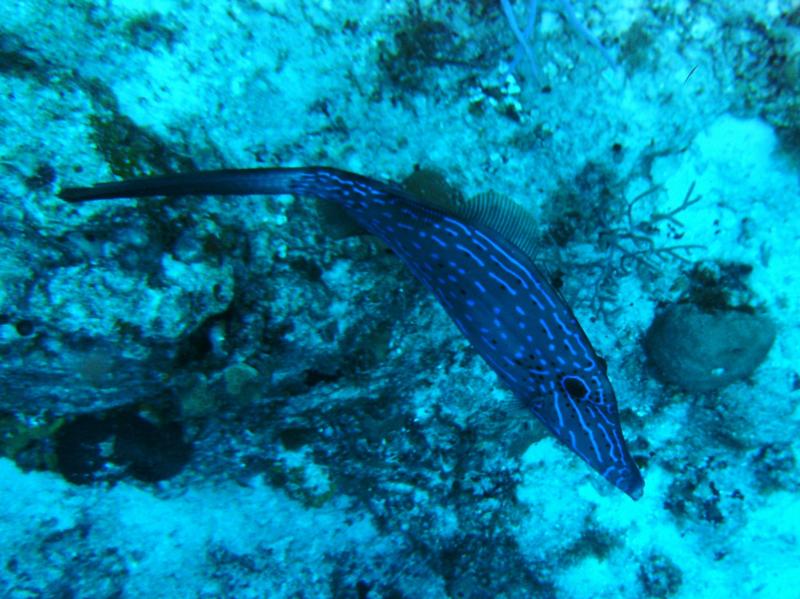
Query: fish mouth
{"type": "Point", "coordinates": [632, 484]}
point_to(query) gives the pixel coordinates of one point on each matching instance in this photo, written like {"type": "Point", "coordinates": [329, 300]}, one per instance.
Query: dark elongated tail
{"type": "Point", "coordinates": [254, 181]}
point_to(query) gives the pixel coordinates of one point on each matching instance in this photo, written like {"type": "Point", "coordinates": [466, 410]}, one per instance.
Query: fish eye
{"type": "Point", "coordinates": [575, 387]}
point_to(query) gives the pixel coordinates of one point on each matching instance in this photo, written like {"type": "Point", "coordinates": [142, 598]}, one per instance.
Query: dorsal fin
{"type": "Point", "coordinates": [500, 213]}
{"type": "Point", "coordinates": [430, 187]}
{"type": "Point", "coordinates": [490, 209]}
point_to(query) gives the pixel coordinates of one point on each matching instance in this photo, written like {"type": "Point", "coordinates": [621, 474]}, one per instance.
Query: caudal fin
{"type": "Point", "coordinates": [255, 181]}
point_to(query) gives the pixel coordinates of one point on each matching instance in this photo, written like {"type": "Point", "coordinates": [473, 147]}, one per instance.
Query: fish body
{"type": "Point", "coordinates": [487, 284]}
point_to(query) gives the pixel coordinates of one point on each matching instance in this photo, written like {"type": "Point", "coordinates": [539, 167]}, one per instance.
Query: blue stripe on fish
{"type": "Point", "coordinates": [486, 282]}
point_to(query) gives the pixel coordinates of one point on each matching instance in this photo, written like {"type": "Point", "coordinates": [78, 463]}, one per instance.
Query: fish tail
{"type": "Point", "coordinates": [256, 181]}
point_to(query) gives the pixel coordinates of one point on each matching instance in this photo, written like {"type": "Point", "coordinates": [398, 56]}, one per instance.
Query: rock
{"type": "Point", "coordinates": [702, 351]}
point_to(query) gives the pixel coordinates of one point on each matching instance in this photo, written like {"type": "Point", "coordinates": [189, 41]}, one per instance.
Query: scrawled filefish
{"type": "Point", "coordinates": [487, 283]}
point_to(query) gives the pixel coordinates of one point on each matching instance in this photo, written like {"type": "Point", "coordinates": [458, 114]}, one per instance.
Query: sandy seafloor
{"type": "Point", "coordinates": [344, 440]}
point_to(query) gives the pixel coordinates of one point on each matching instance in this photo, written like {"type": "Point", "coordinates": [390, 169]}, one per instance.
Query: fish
{"type": "Point", "coordinates": [478, 262]}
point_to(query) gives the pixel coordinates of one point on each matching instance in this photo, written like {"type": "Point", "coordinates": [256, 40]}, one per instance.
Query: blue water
{"type": "Point", "coordinates": [249, 397]}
